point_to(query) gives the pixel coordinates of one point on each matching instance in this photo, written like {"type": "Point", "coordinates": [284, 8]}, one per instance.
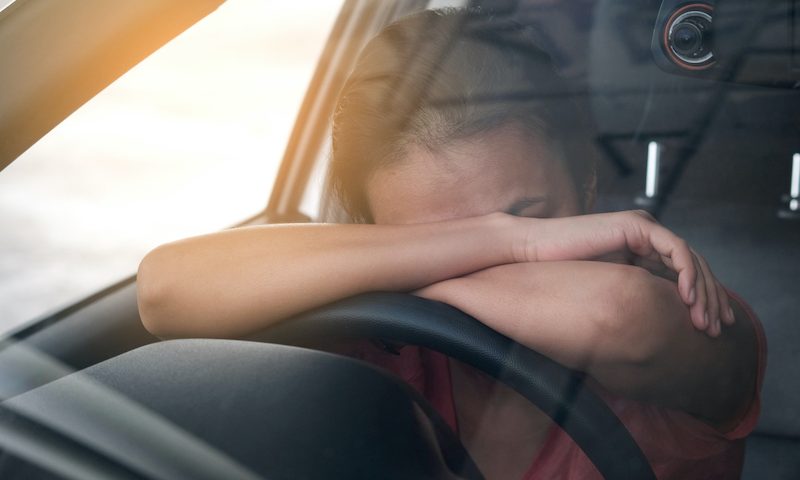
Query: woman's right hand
{"type": "Point", "coordinates": [631, 232]}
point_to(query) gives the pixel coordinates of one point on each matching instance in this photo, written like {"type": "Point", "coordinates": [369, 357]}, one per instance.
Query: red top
{"type": "Point", "coordinates": [676, 444]}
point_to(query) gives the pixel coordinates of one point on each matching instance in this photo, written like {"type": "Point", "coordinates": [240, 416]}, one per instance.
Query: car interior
{"type": "Point", "coordinates": [697, 126]}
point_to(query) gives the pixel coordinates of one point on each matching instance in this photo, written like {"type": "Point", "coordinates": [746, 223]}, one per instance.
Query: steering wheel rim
{"type": "Point", "coordinates": [553, 388]}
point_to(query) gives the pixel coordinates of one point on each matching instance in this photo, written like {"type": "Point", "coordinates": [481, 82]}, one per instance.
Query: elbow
{"type": "Point", "coordinates": [639, 301]}
{"type": "Point", "coordinates": [153, 293]}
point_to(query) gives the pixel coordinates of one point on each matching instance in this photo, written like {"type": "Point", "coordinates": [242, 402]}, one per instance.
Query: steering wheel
{"type": "Point", "coordinates": [558, 391]}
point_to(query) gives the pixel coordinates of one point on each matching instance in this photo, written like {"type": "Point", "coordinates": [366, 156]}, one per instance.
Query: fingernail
{"type": "Point", "coordinates": [731, 316]}
{"type": "Point", "coordinates": [692, 295]}
{"type": "Point", "coordinates": [705, 320]}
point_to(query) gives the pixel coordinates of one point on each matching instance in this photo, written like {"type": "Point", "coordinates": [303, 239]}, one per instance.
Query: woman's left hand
{"type": "Point", "coordinates": [711, 292]}
{"type": "Point", "coordinates": [718, 309]}
{"type": "Point", "coordinates": [638, 233]}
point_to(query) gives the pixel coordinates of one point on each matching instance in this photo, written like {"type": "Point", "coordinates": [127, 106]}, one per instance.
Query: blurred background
{"type": "Point", "coordinates": [195, 132]}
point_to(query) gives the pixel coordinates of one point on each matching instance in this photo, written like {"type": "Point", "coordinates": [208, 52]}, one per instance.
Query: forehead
{"type": "Point", "coordinates": [473, 176]}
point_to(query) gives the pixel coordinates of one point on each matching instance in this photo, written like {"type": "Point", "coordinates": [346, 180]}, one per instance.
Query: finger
{"type": "Point", "coordinates": [681, 261]}
{"type": "Point", "coordinates": [725, 305]}
{"type": "Point", "coordinates": [667, 261]}
{"type": "Point", "coordinates": [646, 215]}
{"type": "Point", "coordinates": [725, 310]}
{"type": "Point", "coordinates": [726, 315]}
{"type": "Point", "coordinates": [698, 309]}
{"type": "Point", "coordinates": [712, 297]}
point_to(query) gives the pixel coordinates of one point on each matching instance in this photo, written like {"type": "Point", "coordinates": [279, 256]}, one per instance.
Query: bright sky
{"type": "Point", "coordinates": [185, 143]}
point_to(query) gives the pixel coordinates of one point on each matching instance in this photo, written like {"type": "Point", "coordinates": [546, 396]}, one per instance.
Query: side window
{"type": "Point", "coordinates": [187, 142]}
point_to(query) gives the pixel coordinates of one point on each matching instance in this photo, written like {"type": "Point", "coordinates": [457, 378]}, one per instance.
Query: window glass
{"type": "Point", "coordinates": [187, 142]}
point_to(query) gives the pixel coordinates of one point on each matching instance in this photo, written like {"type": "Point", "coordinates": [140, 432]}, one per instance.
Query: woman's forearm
{"type": "Point", "coordinates": [238, 281]}
{"type": "Point", "coordinates": [570, 311]}
{"type": "Point", "coordinates": [625, 327]}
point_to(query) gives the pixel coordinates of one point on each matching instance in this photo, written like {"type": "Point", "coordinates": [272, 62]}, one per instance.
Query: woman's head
{"type": "Point", "coordinates": [450, 113]}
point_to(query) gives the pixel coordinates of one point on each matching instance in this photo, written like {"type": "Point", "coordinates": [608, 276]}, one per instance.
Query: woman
{"type": "Point", "coordinates": [469, 194]}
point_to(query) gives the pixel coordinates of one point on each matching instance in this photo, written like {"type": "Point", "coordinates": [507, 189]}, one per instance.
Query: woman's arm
{"type": "Point", "coordinates": [238, 281]}
{"type": "Point", "coordinates": [628, 329]}
{"type": "Point", "coordinates": [635, 233]}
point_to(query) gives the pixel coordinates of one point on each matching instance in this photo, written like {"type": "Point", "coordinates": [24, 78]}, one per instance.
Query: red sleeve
{"type": "Point", "coordinates": [748, 421]}
{"type": "Point", "coordinates": [425, 370]}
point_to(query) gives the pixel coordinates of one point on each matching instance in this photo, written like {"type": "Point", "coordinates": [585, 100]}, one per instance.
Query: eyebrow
{"type": "Point", "coordinates": [520, 205]}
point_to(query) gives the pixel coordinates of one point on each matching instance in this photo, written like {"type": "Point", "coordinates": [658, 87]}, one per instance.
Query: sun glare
{"type": "Point", "coordinates": [186, 142]}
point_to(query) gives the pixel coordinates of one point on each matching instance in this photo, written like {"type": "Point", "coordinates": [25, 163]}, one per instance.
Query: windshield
{"type": "Point", "coordinates": [611, 188]}
{"type": "Point", "coordinates": [188, 141]}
